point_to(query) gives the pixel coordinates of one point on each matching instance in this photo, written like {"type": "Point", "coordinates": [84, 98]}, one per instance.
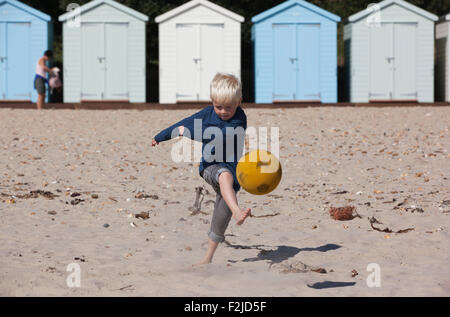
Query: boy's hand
{"type": "Point", "coordinates": [154, 143]}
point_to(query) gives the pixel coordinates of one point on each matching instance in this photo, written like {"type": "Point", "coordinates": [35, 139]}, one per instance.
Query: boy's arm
{"type": "Point", "coordinates": [184, 127]}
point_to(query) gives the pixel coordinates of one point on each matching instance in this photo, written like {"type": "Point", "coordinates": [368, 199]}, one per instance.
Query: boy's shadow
{"type": "Point", "coordinates": [281, 253]}
{"type": "Point", "coordinates": [330, 284]}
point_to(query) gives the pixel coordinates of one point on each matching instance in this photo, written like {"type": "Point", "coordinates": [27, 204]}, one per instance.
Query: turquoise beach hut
{"type": "Point", "coordinates": [25, 34]}
{"type": "Point", "coordinates": [295, 53]}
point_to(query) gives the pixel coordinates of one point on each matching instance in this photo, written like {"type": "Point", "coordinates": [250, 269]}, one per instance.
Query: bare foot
{"type": "Point", "coordinates": [241, 215]}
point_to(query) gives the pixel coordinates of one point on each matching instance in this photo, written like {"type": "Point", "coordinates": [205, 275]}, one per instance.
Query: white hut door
{"type": "Point", "coordinates": [188, 62]}
{"type": "Point", "coordinates": [116, 61]}
{"type": "Point", "coordinates": [381, 62]}
{"type": "Point", "coordinates": [405, 61]}
{"type": "Point", "coordinates": [211, 56]}
{"type": "Point", "coordinates": [92, 61]}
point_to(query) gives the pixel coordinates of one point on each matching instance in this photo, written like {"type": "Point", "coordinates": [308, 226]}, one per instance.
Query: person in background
{"type": "Point", "coordinates": [41, 79]}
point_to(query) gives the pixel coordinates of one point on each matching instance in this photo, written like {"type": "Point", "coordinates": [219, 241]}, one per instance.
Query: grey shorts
{"type": "Point", "coordinates": [39, 83]}
{"type": "Point", "coordinates": [222, 213]}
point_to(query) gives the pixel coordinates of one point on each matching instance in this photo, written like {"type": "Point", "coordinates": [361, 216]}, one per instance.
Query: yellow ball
{"type": "Point", "coordinates": [258, 172]}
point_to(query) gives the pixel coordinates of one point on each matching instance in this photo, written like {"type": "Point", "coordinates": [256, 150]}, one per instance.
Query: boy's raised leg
{"type": "Point", "coordinates": [229, 195]}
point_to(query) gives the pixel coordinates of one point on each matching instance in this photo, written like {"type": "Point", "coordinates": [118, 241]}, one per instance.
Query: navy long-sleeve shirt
{"type": "Point", "coordinates": [222, 141]}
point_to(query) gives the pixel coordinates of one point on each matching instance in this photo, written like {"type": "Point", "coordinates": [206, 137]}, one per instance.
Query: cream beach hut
{"type": "Point", "coordinates": [196, 40]}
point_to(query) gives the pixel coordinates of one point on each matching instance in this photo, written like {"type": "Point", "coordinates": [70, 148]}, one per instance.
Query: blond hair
{"type": "Point", "coordinates": [226, 89]}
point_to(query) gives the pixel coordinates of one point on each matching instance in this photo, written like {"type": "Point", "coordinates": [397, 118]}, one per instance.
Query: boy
{"type": "Point", "coordinates": [218, 170]}
{"type": "Point", "coordinates": [40, 79]}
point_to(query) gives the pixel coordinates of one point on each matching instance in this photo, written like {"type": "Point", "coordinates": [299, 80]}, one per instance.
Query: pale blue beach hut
{"type": "Point", "coordinates": [25, 34]}
{"type": "Point", "coordinates": [389, 53]}
{"type": "Point", "coordinates": [295, 52]}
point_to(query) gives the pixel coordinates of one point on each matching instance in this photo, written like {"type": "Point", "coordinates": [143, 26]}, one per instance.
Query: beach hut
{"type": "Point", "coordinates": [25, 34]}
{"type": "Point", "coordinates": [196, 40]}
{"type": "Point", "coordinates": [443, 59]}
{"type": "Point", "coordinates": [389, 53]}
{"type": "Point", "coordinates": [104, 53]}
{"type": "Point", "coordinates": [295, 53]}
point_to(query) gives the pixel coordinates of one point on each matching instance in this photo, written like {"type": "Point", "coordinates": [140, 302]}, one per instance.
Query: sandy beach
{"type": "Point", "coordinates": [73, 181]}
